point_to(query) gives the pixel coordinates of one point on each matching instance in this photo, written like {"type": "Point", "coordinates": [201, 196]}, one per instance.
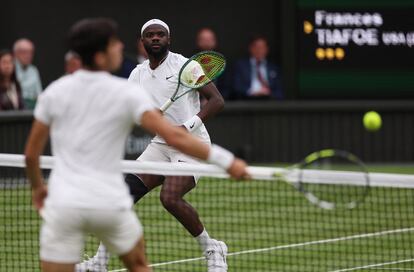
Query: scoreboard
{"type": "Point", "coordinates": [355, 49]}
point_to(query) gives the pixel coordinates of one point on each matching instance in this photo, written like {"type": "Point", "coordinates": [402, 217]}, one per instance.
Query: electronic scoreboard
{"type": "Point", "coordinates": [355, 48]}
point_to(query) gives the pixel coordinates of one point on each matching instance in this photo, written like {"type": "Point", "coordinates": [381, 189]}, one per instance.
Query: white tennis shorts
{"type": "Point", "coordinates": [158, 152]}
{"type": "Point", "coordinates": [64, 230]}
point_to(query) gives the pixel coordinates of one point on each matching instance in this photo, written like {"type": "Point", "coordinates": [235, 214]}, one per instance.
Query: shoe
{"type": "Point", "coordinates": [91, 265]}
{"type": "Point", "coordinates": [216, 254]}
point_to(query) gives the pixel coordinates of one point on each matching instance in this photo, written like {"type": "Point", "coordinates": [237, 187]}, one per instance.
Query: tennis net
{"type": "Point", "coordinates": [268, 225]}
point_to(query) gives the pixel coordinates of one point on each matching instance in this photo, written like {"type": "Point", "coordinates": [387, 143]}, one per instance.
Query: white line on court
{"type": "Point", "coordinates": [392, 269]}
{"type": "Point", "coordinates": [326, 241]}
{"type": "Point", "coordinates": [375, 265]}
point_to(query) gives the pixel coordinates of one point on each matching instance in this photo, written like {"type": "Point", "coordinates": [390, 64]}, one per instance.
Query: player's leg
{"type": "Point", "coordinates": [61, 239]}
{"type": "Point", "coordinates": [139, 186]}
{"type": "Point", "coordinates": [135, 260]}
{"type": "Point", "coordinates": [55, 267]}
{"type": "Point", "coordinates": [172, 197]}
{"type": "Point", "coordinates": [122, 233]}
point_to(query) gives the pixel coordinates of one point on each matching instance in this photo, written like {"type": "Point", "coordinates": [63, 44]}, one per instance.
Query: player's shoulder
{"type": "Point", "coordinates": [117, 83]}
{"type": "Point", "coordinates": [134, 94]}
{"type": "Point", "coordinates": [59, 85]}
{"type": "Point", "coordinates": [125, 90]}
{"type": "Point", "coordinates": [129, 89]}
{"type": "Point", "coordinates": [139, 68]}
{"type": "Point", "coordinates": [145, 63]}
{"type": "Point", "coordinates": [176, 59]}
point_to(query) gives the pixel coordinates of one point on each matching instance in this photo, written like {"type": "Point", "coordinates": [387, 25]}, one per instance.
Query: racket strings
{"type": "Point", "coordinates": [334, 181]}
{"type": "Point", "coordinates": [213, 65]}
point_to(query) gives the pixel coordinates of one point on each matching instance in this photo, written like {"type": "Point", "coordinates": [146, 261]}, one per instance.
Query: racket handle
{"type": "Point", "coordinates": [166, 105]}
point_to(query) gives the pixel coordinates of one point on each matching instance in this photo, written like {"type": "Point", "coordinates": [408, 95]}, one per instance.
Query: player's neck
{"type": "Point", "coordinates": [156, 61]}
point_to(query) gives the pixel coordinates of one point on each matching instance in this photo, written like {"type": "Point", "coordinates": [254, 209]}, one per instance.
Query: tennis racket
{"type": "Point", "coordinates": [330, 179]}
{"type": "Point", "coordinates": [198, 71]}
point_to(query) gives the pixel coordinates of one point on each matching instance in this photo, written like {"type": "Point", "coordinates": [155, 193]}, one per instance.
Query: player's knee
{"type": "Point", "coordinates": [169, 201]}
{"type": "Point", "coordinates": [137, 188]}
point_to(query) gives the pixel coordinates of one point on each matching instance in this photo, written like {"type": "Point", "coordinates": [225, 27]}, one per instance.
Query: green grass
{"type": "Point", "coordinates": [248, 216]}
{"type": "Point", "coordinates": [393, 168]}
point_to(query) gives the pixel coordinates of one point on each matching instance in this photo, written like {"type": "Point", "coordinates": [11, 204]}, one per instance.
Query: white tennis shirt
{"type": "Point", "coordinates": [161, 83]}
{"type": "Point", "coordinates": [90, 115]}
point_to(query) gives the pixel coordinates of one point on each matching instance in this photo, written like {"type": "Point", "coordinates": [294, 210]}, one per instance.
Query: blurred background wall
{"type": "Point", "coordinates": [326, 92]}
{"type": "Point", "coordinates": [46, 23]}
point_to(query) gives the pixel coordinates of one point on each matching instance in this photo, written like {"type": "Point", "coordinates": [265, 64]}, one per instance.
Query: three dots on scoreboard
{"type": "Point", "coordinates": [330, 53]}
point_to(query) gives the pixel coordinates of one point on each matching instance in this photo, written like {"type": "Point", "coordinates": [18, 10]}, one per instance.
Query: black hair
{"type": "Point", "coordinates": [257, 37]}
{"type": "Point", "coordinates": [3, 88]}
{"type": "Point", "coordinates": [4, 52]}
{"type": "Point", "coordinates": [92, 35]}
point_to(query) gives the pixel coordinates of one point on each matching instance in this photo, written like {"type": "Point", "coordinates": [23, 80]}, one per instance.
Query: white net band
{"type": "Point", "coordinates": [257, 173]}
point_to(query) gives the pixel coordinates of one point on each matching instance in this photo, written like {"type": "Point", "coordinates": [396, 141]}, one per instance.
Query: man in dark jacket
{"type": "Point", "coordinates": [256, 77]}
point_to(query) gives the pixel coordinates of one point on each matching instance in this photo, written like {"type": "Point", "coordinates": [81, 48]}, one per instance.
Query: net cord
{"type": "Point", "coordinates": [256, 172]}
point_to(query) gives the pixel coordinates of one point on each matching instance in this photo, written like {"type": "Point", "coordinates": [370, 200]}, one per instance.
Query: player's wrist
{"type": "Point", "coordinates": [220, 157]}
{"type": "Point", "coordinates": [193, 123]}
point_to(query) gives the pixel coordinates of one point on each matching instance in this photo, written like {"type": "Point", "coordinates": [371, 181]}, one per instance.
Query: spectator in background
{"type": "Point", "coordinates": [130, 61]}
{"type": "Point", "coordinates": [256, 77]}
{"type": "Point", "coordinates": [141, 53]}
{"type": "Point", "coordinates": [10, 93]}
{"type": "Point", "coordinates": [206, 40]}
{"type": "Point", "coordinates": [73, 62]}
{"type": "Point", "coordinates": [27, 74]}
{"type": "Point", "coordinates": [128, 64]}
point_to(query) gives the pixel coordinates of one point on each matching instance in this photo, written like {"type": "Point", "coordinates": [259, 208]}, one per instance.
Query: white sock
{"type": "Point", "coordinates": [102, 255]}
{"type": "Point", "coordinates": [203, 239]}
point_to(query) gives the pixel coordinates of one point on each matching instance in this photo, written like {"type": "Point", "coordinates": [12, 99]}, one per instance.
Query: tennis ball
{"type": "Point", "coordinates": [372, 121]}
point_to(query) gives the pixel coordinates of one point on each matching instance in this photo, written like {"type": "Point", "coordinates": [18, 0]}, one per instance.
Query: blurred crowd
{"type": "Point", "coordinates": [254, 77]}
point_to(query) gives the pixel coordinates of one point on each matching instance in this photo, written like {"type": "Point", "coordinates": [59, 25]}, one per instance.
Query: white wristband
{"type": "Point", "coordinates": [193, 123]}
{"type": "Point", "coordinates": [220, 157]}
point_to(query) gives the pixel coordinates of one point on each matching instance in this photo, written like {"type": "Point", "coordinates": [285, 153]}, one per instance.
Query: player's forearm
{"type": "Point", "coordinates": [33, 172]}
{"type": "Point", "coordinates": [188, 144]}
{"type": "Point", "coordinates": [213, 106]}
{"type": "Point", "coordinates": [180, 139]}
{"type": "Point", "coordinates": [34, 148]}
{"type": "Point", "coordinates": [174, 136]}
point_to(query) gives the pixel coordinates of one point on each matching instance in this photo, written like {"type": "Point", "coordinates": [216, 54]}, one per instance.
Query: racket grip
{"type": "Point", "coordinates": [166, 105]}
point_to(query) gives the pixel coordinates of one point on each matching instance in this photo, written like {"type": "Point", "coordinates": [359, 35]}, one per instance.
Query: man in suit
{"type": "Point", "coordinates": [256, 77]}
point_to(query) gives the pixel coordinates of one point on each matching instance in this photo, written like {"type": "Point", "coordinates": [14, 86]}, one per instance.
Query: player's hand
{"type": "Point", "coordinates": [38, 196]}
{"type": "Point", "coordinates": [238, 169]}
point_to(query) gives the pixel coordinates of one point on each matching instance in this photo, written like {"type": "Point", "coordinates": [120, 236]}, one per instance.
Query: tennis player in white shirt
{"type": "Point", "coordinates": [89, 115]}
{"type": "Point", "coordinates": [159, 76]}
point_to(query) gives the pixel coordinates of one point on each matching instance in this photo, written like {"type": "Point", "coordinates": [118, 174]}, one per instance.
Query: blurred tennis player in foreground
{"type": "Point", "coordinates": [158, 76]}
{"type": "Point", "coordinates": [89, 115]}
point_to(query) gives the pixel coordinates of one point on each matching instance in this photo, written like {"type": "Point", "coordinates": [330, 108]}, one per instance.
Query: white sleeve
{"type": "Point", "coordinates": [139, 103]}
{"type": "Point", "coordinates": [43, 108]}
{"type": "Point", "coordinates": [133, 77]}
